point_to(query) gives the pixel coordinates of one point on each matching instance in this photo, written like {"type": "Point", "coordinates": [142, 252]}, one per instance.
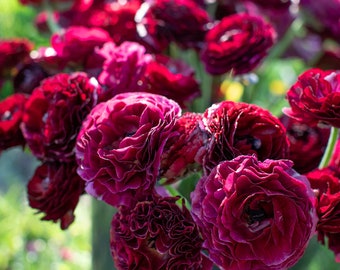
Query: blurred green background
{"type": "Point", "coordinates": [28, 243]}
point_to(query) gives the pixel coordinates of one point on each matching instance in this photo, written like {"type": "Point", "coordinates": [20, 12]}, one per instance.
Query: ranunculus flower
{"type": "Point", "coordinates": [54, 190]}
{"type": "Point", "coordinates": [76, 42]}
{"type": "Point", "coordinates": [271, 4]}
{"type": "Point", "coordinates": [54, 113]}
{"type": "Point", "coordinates": [156, 234]}
{"type": "Point", "coordinates": [12, 53]}
{"type": "Point", "coordinates": [315, 97]}
{"type": "Point", "coordinates": [181, 21]}
{"type": "Point", "coordinates": [29, 77]}
{"type": "Point", "coordinates": [173, 79]}
{"type": "Point", "coordinates": [327, 182]}
{"type": "Point", "coordinates": [237, 44]}
{"type": "Point", "coordinates": [120, 145]}
{"type": "Point", "coordinates": [253, 214]}
{"type": "Point", "coordinates": [182, 152]}
{"type": "Point", "coordinates": [306, 143]}
{"type": "Point", "coordinates": [11, 112]}
{"type": "Point", "coordinates": [238, 128]}
{"type": "Point", "coordinates": [123, 69]}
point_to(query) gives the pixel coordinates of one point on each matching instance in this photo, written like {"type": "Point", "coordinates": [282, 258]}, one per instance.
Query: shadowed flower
{"type": "Point", "coordinates": [315, 97]}
{"type": "Point", "coordinates": [237, 44]}
{"type": "Point", "coordinates": [327, 183]}
{"type": "Point", "coordinates": [306, 143]}
{"type": "Point", "coordinates": [173, 79]}
{"type": "Point", "coordinates": [254, 215]}
{"type": "Point", "coordinates": [156, 234]}
{"type": "Point", "coordinates": [120, 145]}
{"type": "Point", "coordinates": [11, 113]}
{"type": "Point", "coordinates": [54, 190]}
{"type": "Point", "coordinates": [54, 113]}
{"type": "Point", "coordinates": [238, 128]}
{"type": "Point", "coordinates": [183, 151]}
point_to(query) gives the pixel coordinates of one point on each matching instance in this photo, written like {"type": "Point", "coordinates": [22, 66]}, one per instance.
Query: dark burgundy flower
{"type": "Point", "coordinates": [327, 183]}
{"type": "Point", "coordinates": [315, 97]}
{"type": "Point", "coordinates": [77, 42]}
{"type": "Point", "coordinates": [120, 145]}
{"type": "Point", "coordinates": [11, 113]}
{"type": "Point", "coordinates": [123, 69]}
{"type": "Point", "coordinates": [54, 190]}
{"type": "Point", "coordinates": [254, 215]}
{"type": "Point", "coordinates": [306, 143]}
{"type": "Point", "coordinates": [54, 113]}
{"type": "Point", "coordinates": [173, 79]}
{"type": "Point", "coordinates": [183, 151]}
{"type": "Point", "coordinates": [237, 44]}
{"type": "Point", "coordinates": [271, 4]}
{"type": "Point", "coordinates": [29, 77]}
{"type": "Point", "coordinates": [156, 234]}
{"type": "Point", "coordinates": [322, 16]}
{"type": "Point", "coordinates": [238, 128]}
{"type": "Point", "coordinates": [181, 21]}
{"type": "Point", "coordinates": [12, 53]}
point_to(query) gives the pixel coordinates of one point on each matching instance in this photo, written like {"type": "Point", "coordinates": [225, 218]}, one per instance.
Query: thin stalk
{"type": "Point", "coordinates": [333, 137]}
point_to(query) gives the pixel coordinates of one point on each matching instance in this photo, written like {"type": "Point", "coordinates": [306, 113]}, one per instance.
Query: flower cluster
{"type": "Point", "coordinates": [131, 103]}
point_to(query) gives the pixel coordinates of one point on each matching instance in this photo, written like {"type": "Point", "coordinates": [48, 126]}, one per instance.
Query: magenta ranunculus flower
{"type": "Point", "coordinates": [76, 42]}
{"type": "Point", "coordinates": [54, 190]}
{"type": "Point", "coordinates": [180, 21]}
{"type": "Point", "coordinates": [183, 152]}
{"type": "Point", "coordinates": [173, 79]}
{"type": "Point", "coordinates": [54, 113]}
{"type": "Point", "coordinates": [11, 113]}
{"type": "Point", "coordinates": [315, 97]}
{"type": "Point", "coordinates": [306, 143]}
{"type": "Point", "coordinates": [254, 215]}
{"type": "Point", "coordinates": [156, 234]}
{"type": "Point", "coordinates": [12, 53]}
{"type": "Point", "coordinates": [120, 145]}
{"type": "Point", "coordinates": [237, 44]}
{"type": "Point", "coordinates": [238, 128]}
{"type": "Point", "coordinates": [123, 69]}
{"type": "Point", "coordinates": [327, 183]}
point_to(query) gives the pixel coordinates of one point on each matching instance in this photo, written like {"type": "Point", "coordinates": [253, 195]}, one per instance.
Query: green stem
{"type": "Point", "coordinates": [293, 31]}
{"type": "Point", "coordinates": [174, 192]}
{"type": "Point", "coordinates": [333, 137]}
{"type": "Point", "coordinates": [51, 23]}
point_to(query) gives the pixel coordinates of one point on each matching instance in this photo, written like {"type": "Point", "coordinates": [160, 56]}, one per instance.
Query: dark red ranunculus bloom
{"type": "Point", "coordinates": [180, 21]}
{"type": "Point", "coordinates": [315, 97]}
{"type": "Point", "coordinates": [12, 53]}
{"type": "Point", "coordinates": [54, 113]}
{"type": "Point", "coordinates": [182, 152]}
{"type": "Point", "coordinates": [11, 113]}
{"type": "Point", "coordinates": [76, 43]}
{"type": "Point", "coordinates": [271, 4]}
{"type": "Point", "coordinates": [54, 190]}
{"type": "Point", "coordinates": [49, 60]}
{"type": "Point", "coordinates": [306, 143]}
{"type": "Point", "coordinates": [238, 128]}
{"type": "Point", "coordinates": [123, 69]}
{"type": "Point", "coordinates": [327, 183]}
{"type": "Point", "coordinates": [254, 215]}
{"type": "Point", "coordinates": [173, 79]}
{"type": "Point", "coordinates": [120, 145]}
{"type": "Point", "coordinates": [237, 44]}
{"type": "Point", "coordinates": [29, 77]}
{"type": "Point", "coordinates": [156, 234]}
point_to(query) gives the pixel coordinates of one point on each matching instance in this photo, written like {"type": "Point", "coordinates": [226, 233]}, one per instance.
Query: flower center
{"type": "Point", "coordinates": [257, 213]}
